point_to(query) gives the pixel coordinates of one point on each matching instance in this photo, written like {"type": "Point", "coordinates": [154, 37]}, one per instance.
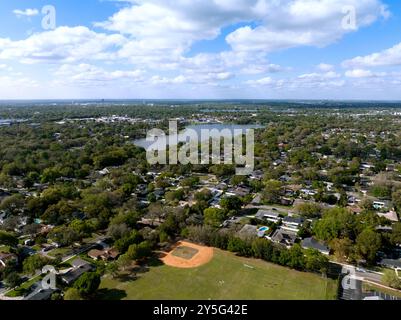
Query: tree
{"type": "Point", "coordinates": [124, 261]}
{"type": "Point", "coordinates": [8, 239]}
{"type": "Point", "coordinates": [262, 249]}
{"type": "Point", "coordinates": [118, 231]}
{"type": "Point", "coordinates": [391, 279]}
{"type": "Point", "coordinates": [87, 284]}
{"type": "Point", "coordinates": [368, 243]}
{"type": "Point", "coordinates": [63, 235]}
{"type": "Point", "coordinates": [367, 204]}
{"type": "Point", "coordinates": [309, 209]}
{"type": "Point", "coordinates": [381, 190]}
{"type": "Point", "coordinates": [112, 269]}
{"type": "Point", "coordinates": [31, 229]}
{"type": "Point", "coordinates": [316, 261]}
{"type": "Point", "coordinates": [34, 263]}
{"type": "Point", "coordinates": [175, 196]}
{"type": "Point", "coordinates": [213, 217]}
{"type": "Point", "coordinates": [238, 180]}
{"type": "Point", "coordinates": [343, 249]}
{"type": "Point", "coordinates": [13, 280]}
{"type": "Point", "coordinates": [82, 228]}
{"type": "Point", "coordinates": [139, 251]}
{"type": "Point", "coordinates": [396, 234]}
{"type": "Point", "coordinates": [204, 195]}
{"type": "Point", "coordinates": [123, 244]}
{"type": "Point", "coordinates": [296, 257]}
{"type": "Point", "coordinates": [231, 203]}
{"type": "Point", "coordinates": [190, 182]}
{"type": "Point", "coordinates": [272, 191]}
{"type": "Point", "coordinates": [72, 294]}
{"type": "Point", "coordinates": [240, 246]}
{"type": "Point", "coordinates": [397, 200]}
{"type": "Point", "coordinates": [336, 223]}
{"type": "Point", "coordinates": [12, 203]}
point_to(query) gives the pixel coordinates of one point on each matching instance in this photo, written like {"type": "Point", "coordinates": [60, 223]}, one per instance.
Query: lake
{"type": "Point", "coordinates": [193, 131]}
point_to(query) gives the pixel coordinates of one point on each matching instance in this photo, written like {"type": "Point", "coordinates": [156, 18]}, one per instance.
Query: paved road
{"type": "Point", "coordinates": [363, 274]}
{"type": "Point", "coordinates": [352, 282]}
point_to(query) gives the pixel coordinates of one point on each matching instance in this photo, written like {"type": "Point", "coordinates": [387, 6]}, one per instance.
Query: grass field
{"type": "Point", "coordinates": [225, 277]}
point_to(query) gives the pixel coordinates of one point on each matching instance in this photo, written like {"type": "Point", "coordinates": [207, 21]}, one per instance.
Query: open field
{"type": "Point", "coordinates": [225, 277]}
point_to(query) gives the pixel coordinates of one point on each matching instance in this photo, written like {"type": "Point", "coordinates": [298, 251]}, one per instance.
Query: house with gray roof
{"type": "Point", "coordinates": [292, 223]}
{"type": "Point", "coordinates": [248, 231]}
{"type": "Point", "coordinates": [268, 215]}
{"type": "Point", "coordinates": [391, 263]}
{"type": "Point", "coordinates": [312, 243]}
{"type": "Point", "coordinates": [284, 237]}
{"type": "Point", "coordinates": [79, 268]}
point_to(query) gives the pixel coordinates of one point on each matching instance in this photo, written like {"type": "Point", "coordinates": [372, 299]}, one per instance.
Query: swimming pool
{"type": "Point", "coordinates": [263, 229]}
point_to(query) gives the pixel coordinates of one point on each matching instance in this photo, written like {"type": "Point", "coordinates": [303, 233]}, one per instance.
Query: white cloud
{"type": "Point", "coordinates": [90, 75]}
{"type": "Point", "coordinates": [5, 67]}
{"type": "Point", "coordinates": [325, 67]}
{"type": "Point", "coordinates": [64, 44]}
{"type": "Point", "coordinates": [148, 42]}
{"type": "Point", "coordinates": [261, 82]}
{"type": "Point", "coordinates": [359, 73]}
{"type": "Point", "coordinates": [261, 68]}
{"type": "Point", "coordinates": [292, 23]}
{"type": "Point", "coordinates": [26, 12]}
{"type": "Point", "coordinates": [388, 57]}
{"type": "Point", "coordinates": [177, 24]}
{"type": "Point", "coordinates": [320, 76]}
{"type": "Point", "coordinates": [194, 78]}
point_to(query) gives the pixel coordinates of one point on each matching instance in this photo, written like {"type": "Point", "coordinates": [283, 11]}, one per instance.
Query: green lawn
{"type": "Point", "coordinates": [17, 292]}
{"type": "Point", "coordinates": [225, 277]}
{"type": "Point", "coordinates": [5, 249]}
{"type": "Point", "coordinates": [59, 251]}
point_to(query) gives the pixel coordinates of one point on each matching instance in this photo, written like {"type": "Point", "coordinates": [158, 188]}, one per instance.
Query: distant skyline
{"type": "Point", "coordinates": [201, 49]}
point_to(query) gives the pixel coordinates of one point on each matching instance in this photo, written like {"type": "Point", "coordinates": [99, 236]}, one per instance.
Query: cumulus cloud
{"type": "Point", "coordinates": [86, 74]}
{"type": "Point", "coordinates": [64, 44]}
{"type": "Point", "coordinates": [151, 42]}
{"type": "Point", "coordinates": [359, 73]}
{"type": "Point", "coordinates": [292, 23]}
{"type": "Point", "coordinates": [388, 57]}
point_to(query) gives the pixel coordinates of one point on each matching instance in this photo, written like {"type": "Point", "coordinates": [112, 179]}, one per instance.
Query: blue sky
{"type": "Point", "coordinates": [201, 49]}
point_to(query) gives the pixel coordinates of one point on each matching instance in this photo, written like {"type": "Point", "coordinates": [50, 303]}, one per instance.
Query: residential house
{"type": "Point", "coordinates": [268, 215]}
{"type": "Point", "coordinates": [292, 223]}
{"type": "Point", "coordinates": [257, 175]}
{"type": "Point", "coordinates": [286, 201]}
{"type": "Point", "coordinates": [248, 231]}
{"type": "Point", "coordinates": [239, 192]}
{"type": "Point", "coordinates": [391, 215]}
{"type": "Point", "coordinates": [39, 293]}
{"type": "Point", "coordinates": [391, 263]}
{"type": "Point", "coordinates": [105, 255]}
{"type": "Point", "coordinates": [312, 243]}
{"type": "Point", "coordinates": [284, 237]}
{"type": "Point", "coordinates": [79, 267]}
